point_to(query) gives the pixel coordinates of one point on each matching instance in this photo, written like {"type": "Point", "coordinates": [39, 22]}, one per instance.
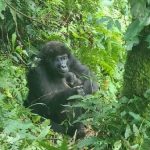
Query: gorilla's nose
{"type": "Point", "coordinates": [64, 68]}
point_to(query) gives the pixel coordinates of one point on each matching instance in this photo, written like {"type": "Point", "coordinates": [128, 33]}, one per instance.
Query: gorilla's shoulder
{"type": "Point", "coordinates": [35, 71]}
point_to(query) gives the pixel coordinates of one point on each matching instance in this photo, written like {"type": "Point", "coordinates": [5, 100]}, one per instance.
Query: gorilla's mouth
{"type": "Point", "coordinates": [62, 73]}
{"type": "Point", "coordinates": [63, 70]}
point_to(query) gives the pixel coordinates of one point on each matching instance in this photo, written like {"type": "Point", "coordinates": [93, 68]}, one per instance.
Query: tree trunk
{"type": "Point", "coordinates": [137, 69]}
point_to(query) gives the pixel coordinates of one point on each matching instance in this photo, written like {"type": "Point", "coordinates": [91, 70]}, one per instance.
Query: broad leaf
{"type": "Point", "coordinates": [2, 8]}
{"type": "Point", "coordinates": [87, 142]}
{"type": "Point", "coordinates": [117, 145]}
{"type": "Point", "coordinates": [133, 30]}
{"type": "Point", "coordinates": [128, 132]}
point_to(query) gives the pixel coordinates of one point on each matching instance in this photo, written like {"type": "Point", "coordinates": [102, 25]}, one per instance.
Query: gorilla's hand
{"type": "Point", "coordinates": [79, 89]}
{"type": "Point", "coordinates": [72, 80]}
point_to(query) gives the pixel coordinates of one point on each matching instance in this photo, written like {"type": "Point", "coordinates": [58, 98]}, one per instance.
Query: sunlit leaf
{"type": "Point", "coordinates": [2, 8]}
{"type": "Point", "coordinates": [135, 130]}
{"type": "Point", "coordinates": [128, 132]}
{"type": "Point", "coordinates": [87, 142]}
{"type": "Point", "coordinates": [14, 36]}
{"type": "Point", "coordinates": [117, 145]}
{"type": "Point", "coordinates": [137, 117]}
{"type": "Point", "coordinates": [75, 97]}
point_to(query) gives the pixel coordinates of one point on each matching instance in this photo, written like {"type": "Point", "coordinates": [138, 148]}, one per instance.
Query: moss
{"type": "Point", "coordinates": [137, 71]}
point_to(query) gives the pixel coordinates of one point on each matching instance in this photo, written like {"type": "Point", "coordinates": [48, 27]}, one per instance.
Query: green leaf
{"type": "Point", "coordinates": [47, 146]}
{"type": "Point", "coordinates": [12, 126]}
{"type": "Point", "coordinates": [148, 1]}
{"type": "Point", "coordinates": [13, 40]}
{"type": "Point", "coordinates": [25, 53]}
{"type": "Point", "coordinates": [128, 132]}
{"type": "Point", "coordinates": [107, 2]}
{"type": "Point", "coordinates": [2, 8]}
{"type": "Point", "coordinates": [15, 58]}
{"type": "Point", "coordinates": [44, 132]}
{"type": "Point", "coordinates": [87, 142]}
{"type": "Point", "coordinates": [133, 29]}
{"type": "Point", "coordinates": [110, 24]}
{"type": "Point", "coordinates": [104, 19]}
{"type": "Point", "coordinates": [135, 130]}
{"type": "Point", "coordinates": [64, 145]}
{"type": "Point", "coordinates": [75, 97]}
{"type": "Point", "coordinates": [134, 41]}
{"type": "Point", "coordinates": [138, 8]}
{"type": "Point", "coordinates": [75, 35]}
{"type": "Point", "coordinates": [14, 14]}
{"type": "Point", "coordinates": [118, 25]}
{"type": "Point", "coordinates": [135, 116]}
{"type": "Point", "coordinates": [134, 147]}
{"type": "Point", "coordinates": [147, 94]}
{"type": "Point", "coordinates": [147, 39]}
{"type": "Point", "coordinates": [117, 145]}
{"type": "Point", "coordinates": [145, 144]}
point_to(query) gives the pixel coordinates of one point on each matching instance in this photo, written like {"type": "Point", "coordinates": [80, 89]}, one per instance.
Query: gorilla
{"type": "Point", "coordinates": [58, 76]}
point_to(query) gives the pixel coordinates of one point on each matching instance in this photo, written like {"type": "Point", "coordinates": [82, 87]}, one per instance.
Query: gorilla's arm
{"type": "Point", "coordinates": [44, 92]}
{"type": "Point", "coordinates": [89, 85]}
{"type": "Point", "coordinates": [53, 100]}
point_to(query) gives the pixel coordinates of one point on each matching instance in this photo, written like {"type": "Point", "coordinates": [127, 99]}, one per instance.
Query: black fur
{"type": "Point", "coordinates": [53, 89]}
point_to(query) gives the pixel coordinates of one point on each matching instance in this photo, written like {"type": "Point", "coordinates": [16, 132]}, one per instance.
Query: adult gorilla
{"type": "Point", "coordinates": [57, 77]}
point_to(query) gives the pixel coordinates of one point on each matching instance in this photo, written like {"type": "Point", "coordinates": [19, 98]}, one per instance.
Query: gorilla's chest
{"type": "Point", "coordinates": [58, 85]}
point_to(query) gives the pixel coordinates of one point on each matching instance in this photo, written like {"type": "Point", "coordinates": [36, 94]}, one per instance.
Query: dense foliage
{"type": "Point", "coordinates": [94, 30]}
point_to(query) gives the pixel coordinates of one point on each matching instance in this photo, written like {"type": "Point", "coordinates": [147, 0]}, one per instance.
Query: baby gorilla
{"type": "Point", "coordinates": [72, 81]}
{"type": "Point", "coordinates": [58, 76]}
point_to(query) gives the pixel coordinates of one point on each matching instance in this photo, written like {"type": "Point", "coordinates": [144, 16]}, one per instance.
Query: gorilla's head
{"type": "Point", "coordinates": [56, 56]}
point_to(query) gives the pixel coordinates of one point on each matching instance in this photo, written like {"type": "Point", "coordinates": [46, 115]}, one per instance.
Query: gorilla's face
{"type": "Point", "coordinates": [60, 64]}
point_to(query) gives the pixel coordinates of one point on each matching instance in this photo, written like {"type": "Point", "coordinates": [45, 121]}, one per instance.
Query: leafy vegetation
{"type": "Point", "coordinates": [98, 32]}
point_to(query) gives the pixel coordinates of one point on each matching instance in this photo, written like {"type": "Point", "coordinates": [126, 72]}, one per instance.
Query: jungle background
{"type": "Point", "coordinates": [112, 37]}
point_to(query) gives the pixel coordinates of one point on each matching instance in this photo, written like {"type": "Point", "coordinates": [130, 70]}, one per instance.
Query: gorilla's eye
{"type": "Point", "coordinates": [62, 57]}
{"type": "Point", "coordinates": [65, 57]}
{"type": "Point", "coordinates": [57, 58]}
